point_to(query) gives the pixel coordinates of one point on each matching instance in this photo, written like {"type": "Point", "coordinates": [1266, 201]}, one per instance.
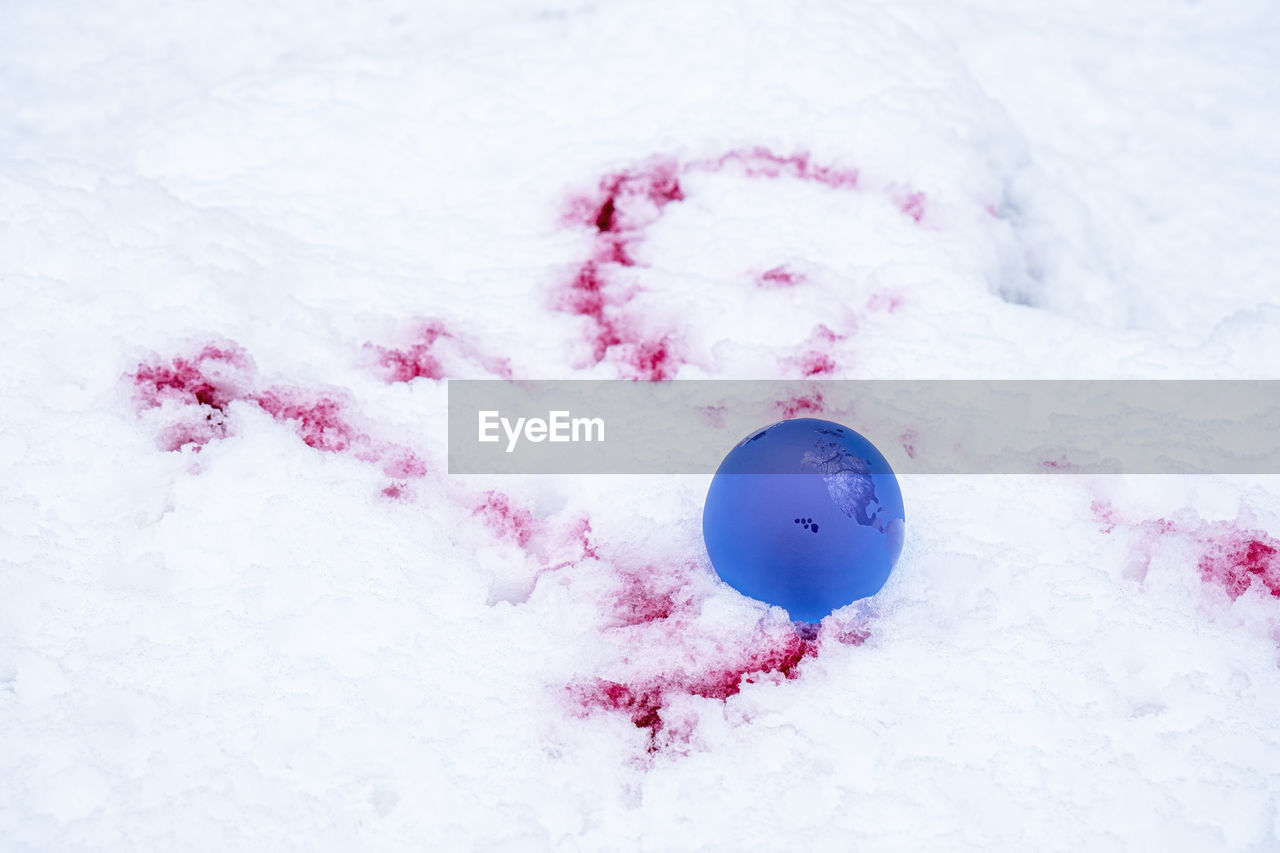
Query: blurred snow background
{"type": "Point", "coordinates": [241, 603]}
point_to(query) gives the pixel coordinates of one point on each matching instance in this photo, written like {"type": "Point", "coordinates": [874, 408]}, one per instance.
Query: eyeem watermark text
{"type": "Point", "coordinates": [558, 426]}
{"type": "Point", "coordinates": [947, 427]}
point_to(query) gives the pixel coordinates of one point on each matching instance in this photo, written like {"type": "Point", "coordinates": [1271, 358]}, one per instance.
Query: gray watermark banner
{"type": "Point", "coordinates": [922, 427]}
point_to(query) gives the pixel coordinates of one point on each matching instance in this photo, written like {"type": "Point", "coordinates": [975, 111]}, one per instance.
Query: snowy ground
{"type": "Point", "coordinates": [242, 604]}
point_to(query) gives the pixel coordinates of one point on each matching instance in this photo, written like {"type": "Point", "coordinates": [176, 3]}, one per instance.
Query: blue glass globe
{"type": "Point", "coordinates": [805, 514]}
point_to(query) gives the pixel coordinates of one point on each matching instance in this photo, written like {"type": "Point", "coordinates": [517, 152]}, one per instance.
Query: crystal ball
{"type": "Point", "coordinates": [805, 514]}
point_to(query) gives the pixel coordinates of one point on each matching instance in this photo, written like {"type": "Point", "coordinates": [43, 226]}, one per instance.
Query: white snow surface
{"type": "Point", "coordinates": [248, 642]}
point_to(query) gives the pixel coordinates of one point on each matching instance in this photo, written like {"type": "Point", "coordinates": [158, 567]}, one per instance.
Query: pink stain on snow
{"type": "Point", "coordinates": [1232, 557]}
{"type": "Point", "coordinates": [778, 278]}
{"type": "Point", "coordinates": [576, 537]}
{"type": "Point", "coordinates": [1105, 514]}
{"type": "Point", "coordinates": [908, 440]}
{"type": "Point", "coordinates": [629, 200]}
{"type": "Point", "coordinates": [644, 700]}
{"type": "Point", "coordinates": [884, 301]}
{"type": "Point", "coordinates": [817, 361]}
{"type": "Point", "coordinates": [804, 404]}
{"type": "Point", "coordinates": [714, 415]}
{"type": "Point", "coordinates": [198, 388]}
{"type": "Point", "coordinates": [1146, 536]}
{"type": "Point", "coordinates": [550, 544]}
{"type": "Point", "coordinates": [761, 162]}
{"type": "Point", "coordinates": [626, 203]}
{"type": "Point", "coordinates": [817, 364]}
{"type": "Point", "coordinates": [192, 433]}
{"type": "Point", "coordinates": [652, 360]}
{"type": "Point", "coordinates": [913, 205]}
{"type": "Point", "coordinates": [622, 206]}
{"type": "Point", "coordinates": [431, 347]}
{"type": "Point", "coordinates": [209, 378]}
{"type": "Point", "coordinates": [202, 387]}
{"type": "Point", "coordinates": [854, 635]}
{"type": "Point", "coordinates": [318, 420]}
{"type": "Point", "coordinates": [641, 357]}
{"type": "Point", "coordinates": [585, 297]}
{"type": "Point", "coordinates": [645, 600]}
{"type": "Point", "coordinates": [417, 360]}
{"type": "Point", "coordinates": [822, 333]}
{"type": "Point", "coordinates": [402, 463]}
{"type": "Point", "coordinates": [668, 657]}
{"type": "Point", "coordinates": [506, 520]}
{"type": "Point", "coordinates": [640, 600]}
{"type": "Point", "coordinates": [612, 249]}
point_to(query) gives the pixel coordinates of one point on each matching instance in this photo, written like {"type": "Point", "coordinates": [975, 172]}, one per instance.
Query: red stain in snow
{"type": "Point", "coordinates": [817, 364]}
{"type": "Point", "coordinates": [1147, 535]}
{"type": "Point", "coordinates": [1231, 556]}
{"type": "Point", "coordinates": [630, 199]}
{"type": "Point", "coordinates": [321, 421]}
{"type": "Point", "coordinates": [585, 297]}
{"type": "Point", "coordinates": [854, 635]}
{"type": "Point", "coordinates": [817, 361]}
{"type": "Point", "coordinates": [550, 543]}
{"type": "Point", "coordinates": [612, 249]}
{"type": "Point", "coordinates": [645, 700]}
{"type": "Point", "coordinates": [506, 520]}
{"type": "Point", "coordinates": [884, 301]}
{"type": "Point", "coordinates": [579, 534]}
{"type": "Point", "coordinates": [648, 358]}
{"type": "Point", "coordinates": [317, 420]}
{"type": "Point", "coordinates": [401, 463]}
{"type": "Point", "coordinates": [651, 359]}
{"type": "Point", "coordinates": [761, 162]}
{"type": "Point", "coordinates": [913, 205]}
{"type": "Point", "coordinates": [418, 360]}
{"type": "Point", "coordinates": [194, 434]}
{"type": "Point", "coordinates": [627, 202]}
{"type": "Point", "coordinates": [204, 385]}
{"type": "Point", "coordinates": [1104, 513]}
{"type": "Point", "coordinates": [908, 440]}
{"type": "Point", "coordinates": [210, 378]}
{"type": "Point", "coordinates": [640, 600]}
{"type": "Point", "coordinates": [714, 415]}
{"type": "Point", "coordinates": [778, 278]}
{"type": "Point", "coordinates": [1235, 559]}
{"type": "Point", "coordinates": [201, 387]}
{"type": "Point", "coordinates": [424, 357]}
{"type": "Point", "coordinates": [804, 404]}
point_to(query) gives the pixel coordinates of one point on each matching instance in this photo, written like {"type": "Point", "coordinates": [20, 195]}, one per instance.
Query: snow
{"type": "Point", "coordinates": [242, 603]}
